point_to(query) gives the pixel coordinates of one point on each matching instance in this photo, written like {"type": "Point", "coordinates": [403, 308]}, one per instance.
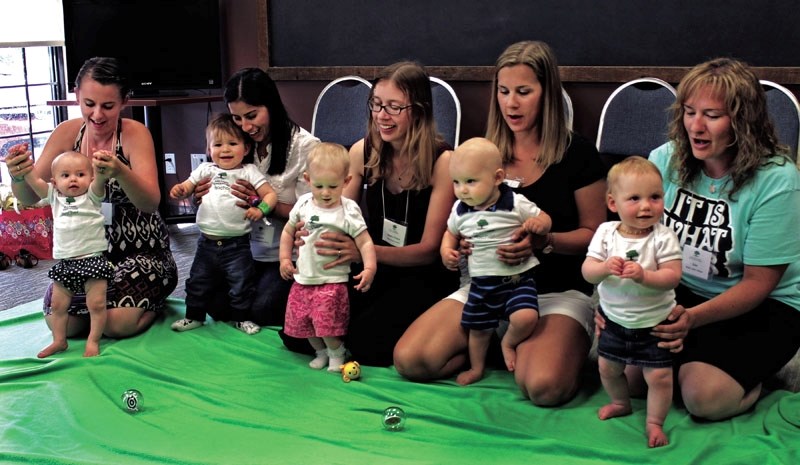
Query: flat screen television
{"type": "Point", "coordinates": [167, 46]}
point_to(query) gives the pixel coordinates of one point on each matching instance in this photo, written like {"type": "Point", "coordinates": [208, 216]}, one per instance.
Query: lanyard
{"type": "Point", "coordinates": [383, 202]}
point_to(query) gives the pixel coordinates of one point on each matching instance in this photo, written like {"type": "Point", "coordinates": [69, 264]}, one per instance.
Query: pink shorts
{"type": "Point", "coordinates": [317, 311]}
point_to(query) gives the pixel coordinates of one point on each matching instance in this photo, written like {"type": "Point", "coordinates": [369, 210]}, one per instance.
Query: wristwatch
{"type": "Point", "coordinates": [548, 246]}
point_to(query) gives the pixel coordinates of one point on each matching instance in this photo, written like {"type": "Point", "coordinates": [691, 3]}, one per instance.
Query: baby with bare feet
{"type": "Point", "coordinates": [636, 264]}
{"type": "Point", "coordinates": [79, 242]}
{"type": "Point", "coordinates": [486, 215]}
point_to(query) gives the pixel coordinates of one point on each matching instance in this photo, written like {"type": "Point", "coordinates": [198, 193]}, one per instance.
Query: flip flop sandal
{"type": "Point", "coordinates": [5, 261]}
{"type": "Point", "coordinates": [26, 259]}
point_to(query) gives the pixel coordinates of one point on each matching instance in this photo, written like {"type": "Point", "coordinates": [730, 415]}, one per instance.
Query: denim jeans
{"type": "Point", "coordinates": [229, 260]}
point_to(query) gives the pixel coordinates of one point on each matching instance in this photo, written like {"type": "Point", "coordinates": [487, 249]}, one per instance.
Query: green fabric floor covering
{"type": "Point", "coordinates": [217, 396]}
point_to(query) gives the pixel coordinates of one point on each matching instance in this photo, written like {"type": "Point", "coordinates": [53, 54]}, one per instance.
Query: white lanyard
{"type": "Point", "coordinates": [394, 233]}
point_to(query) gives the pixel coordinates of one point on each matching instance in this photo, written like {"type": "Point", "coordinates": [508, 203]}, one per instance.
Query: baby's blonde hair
{"type": "Point", "coordinates": [634, 165]}
{"type": "Point", "coordinates": [70, 154]}
{"type": "Point", "coordinates": [329, 155]}
{"type": "Point", "coordinates": [484, 149]}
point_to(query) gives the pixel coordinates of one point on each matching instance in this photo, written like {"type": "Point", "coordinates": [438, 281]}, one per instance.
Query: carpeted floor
{"type": "Point", "coordinates": [21, 285]}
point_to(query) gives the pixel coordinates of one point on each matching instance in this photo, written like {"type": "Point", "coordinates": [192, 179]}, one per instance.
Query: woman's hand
{"type": "Point", "coordinates": [599, 323]}
{"type": "Point", "coordinates": [241, 189]}
{"type": "Point", "coordinates": [201, 189]}
{"type": "Point", "coordinates": [299, 233]}
{"type": "Point", "coordinates": [674, 333]}
{"type": "Point", "coordinates": [518, 251]}
{"type": "Point", "coordinates": [18, 161]}
{"type": "Point", "coordinates": [340, 246]}
{"type": "Point", "coordinates": [107, 164]}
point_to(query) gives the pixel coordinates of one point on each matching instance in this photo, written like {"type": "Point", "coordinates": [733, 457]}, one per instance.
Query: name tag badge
{"type": "Point", "coordinates": [262, 232]}
{"type": "Point", "coordinates": [394, 233]}
{"type": "Point", "coordinates": [108, 212]}
{"type": "Point", "coordinates": [696, 262]}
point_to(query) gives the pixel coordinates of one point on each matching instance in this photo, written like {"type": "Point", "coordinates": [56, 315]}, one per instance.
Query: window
{"type": "Point", "coordinates": [31, 73]}
{"type": "Point", "coordinates": [27, 81]}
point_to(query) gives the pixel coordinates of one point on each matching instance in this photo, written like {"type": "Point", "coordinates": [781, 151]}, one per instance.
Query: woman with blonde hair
{"type": "Point", "coordinates": [732, 193]}
{"type": "Point", "coordinates": [562, 173]}
{"type": "Point", "coordinates": [400, 174]}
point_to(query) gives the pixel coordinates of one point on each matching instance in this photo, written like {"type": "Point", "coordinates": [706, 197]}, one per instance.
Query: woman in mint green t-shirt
{"type": "Point", "coordinates": [732, 194]}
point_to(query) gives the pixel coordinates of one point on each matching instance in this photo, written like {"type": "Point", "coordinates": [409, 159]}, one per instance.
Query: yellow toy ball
{"type": "Point", "coordinates": [350, 371]}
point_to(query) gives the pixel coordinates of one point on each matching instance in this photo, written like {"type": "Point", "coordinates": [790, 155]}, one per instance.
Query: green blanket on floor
{"type": "Point", "coordinates": [217, 396]}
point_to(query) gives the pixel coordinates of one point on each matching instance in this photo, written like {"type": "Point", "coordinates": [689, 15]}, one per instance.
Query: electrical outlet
{"type": "Point", "coordinates": [169, 163]}
{"type": "Point", "coordinates": [198, 158]}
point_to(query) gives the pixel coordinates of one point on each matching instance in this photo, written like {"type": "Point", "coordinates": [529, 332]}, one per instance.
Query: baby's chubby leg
{"type": "Point", "coordinates": [612, 374]}
{"type": "Point", "coordinates": [520, 326]}
{"type": "Point", "coordinates": [659, 400]}
{"type": "Point", "coordinates": [96, 303]}
{"type": "Point", "coordinates": [478, 345]}
{"type": "Point", "coordinates": [57, 320]}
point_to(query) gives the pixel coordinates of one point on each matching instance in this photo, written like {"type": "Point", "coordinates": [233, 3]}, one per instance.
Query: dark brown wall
{"type": "Point", "coordinates": [183, 125]}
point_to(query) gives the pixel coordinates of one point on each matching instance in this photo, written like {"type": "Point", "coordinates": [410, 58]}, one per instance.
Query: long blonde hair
{"type": "Point", "coordinates": [553, 132]}
{"type": "Point", "coordinates": [755, 142]}
{"type": "Point", "coordinates": [422, 142]}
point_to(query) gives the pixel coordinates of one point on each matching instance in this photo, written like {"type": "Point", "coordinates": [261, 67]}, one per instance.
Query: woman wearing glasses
{"type": "Point", "coordinates": [561, 172]}
{"type": "Point", "coordinates": [400, 168]}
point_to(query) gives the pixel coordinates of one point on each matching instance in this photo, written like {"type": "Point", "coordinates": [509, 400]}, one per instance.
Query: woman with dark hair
{"type": "Point", "coordinates": [279, 148]}
{"type": "Point", "coordinates": [561, 172]}
{"type": "Point", "coordinates": [400, 168]}
{"type": "Point", "coordinates": [138, 241]}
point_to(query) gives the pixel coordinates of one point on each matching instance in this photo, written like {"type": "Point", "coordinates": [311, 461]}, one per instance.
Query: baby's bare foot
{"type": "Point", "coordinates": [53, 348]}
{"type": "Point", "coordinates": [468, 377]}
{"type": "Point", "coordinates": [613, 410]}
{"type": "Point", "coordinates": [91, 350]}
{"type": "Point", "coordinates": [656, 436]}
{"type": "Point", "coordinates": [509, 356]}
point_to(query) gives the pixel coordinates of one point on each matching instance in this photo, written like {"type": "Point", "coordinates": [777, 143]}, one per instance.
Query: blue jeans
{"type": "Point", "coordinates": [230, 259]}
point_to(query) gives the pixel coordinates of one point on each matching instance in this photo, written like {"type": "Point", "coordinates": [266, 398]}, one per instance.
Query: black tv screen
{"type": "Point", "coordinates": [165, 45]}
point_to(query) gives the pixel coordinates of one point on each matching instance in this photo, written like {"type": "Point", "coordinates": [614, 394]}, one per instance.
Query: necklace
{"type": "Point", "coordinates": [713, 187]}
{"type": "Point", "coordinates": [714, 180]}
{"type": "Point", "coordinates": [638, 232]}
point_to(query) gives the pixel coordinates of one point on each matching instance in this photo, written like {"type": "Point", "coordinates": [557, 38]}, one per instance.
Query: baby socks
{"type": "Point", "coordinates": [336, 358]}
{"type": "Point", "coordinates": [320, 360]}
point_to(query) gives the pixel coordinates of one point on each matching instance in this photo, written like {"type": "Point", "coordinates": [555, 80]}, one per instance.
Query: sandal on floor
{"type": "Point", "coordinates": [5, 262]}
{"type": "Point", "coordinates": [26, 259]}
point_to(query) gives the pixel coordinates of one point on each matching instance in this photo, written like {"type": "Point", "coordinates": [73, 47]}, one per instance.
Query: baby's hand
{"type": "Point", "coordinates": [253, 213]}
{"type": "Point", "coordinates": [632, 270]}
{"type": "Point", "coordinates": [288, 270]}
{"type": "Point", "coordinates": [366, 276]}
{"type": "Point", "coordinates": [615, 265]}
{"type": "Point", "coordinates": [537, 225]}
{"type": "Point", "coordinates": [450, 259]}
{"type": "Point", "coordinates": [178, 192]}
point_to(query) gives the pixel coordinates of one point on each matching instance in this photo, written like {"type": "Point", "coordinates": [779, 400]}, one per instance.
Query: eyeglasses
{"type": "Point", "coordinates": [390, 109]}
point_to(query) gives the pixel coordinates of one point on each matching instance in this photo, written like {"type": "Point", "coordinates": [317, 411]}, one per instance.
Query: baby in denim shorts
{"type": "Point", "coordinates": [636, 264]}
